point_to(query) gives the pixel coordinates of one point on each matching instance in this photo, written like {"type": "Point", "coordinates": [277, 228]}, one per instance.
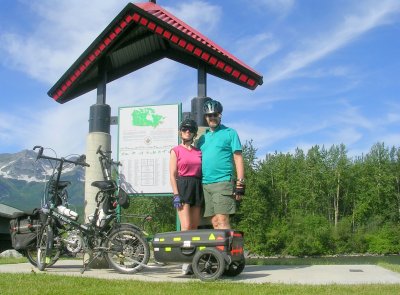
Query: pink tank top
{"type": "Point", "coordinates": [189, 161]}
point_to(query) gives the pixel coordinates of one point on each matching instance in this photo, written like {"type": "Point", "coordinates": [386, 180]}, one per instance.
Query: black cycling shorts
{"type": "Point", "coordinates": [190, 190]}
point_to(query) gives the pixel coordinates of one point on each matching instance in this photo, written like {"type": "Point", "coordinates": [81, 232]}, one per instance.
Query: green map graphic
{"type": "Point", "coordinates": [146, 117]}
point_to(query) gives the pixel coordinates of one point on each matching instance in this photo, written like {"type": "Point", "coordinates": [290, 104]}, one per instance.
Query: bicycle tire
{"type": "Point", "coordinates": [128, 250]}
{"type": "Point", "coordinates": [31, 254]}
{"type": "Point", "coordinates": [44, 248]}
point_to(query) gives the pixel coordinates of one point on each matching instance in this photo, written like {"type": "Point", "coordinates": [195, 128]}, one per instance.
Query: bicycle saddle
{"type": "Point", "coordinates": [104, 185]}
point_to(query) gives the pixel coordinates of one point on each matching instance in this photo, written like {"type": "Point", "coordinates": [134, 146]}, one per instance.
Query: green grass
{"type": "Point", "coordinates": [53, 284]}
{"type": "Point", "coordinates": [6, 260]}
{"type": "Point", "coordinates": [43, 283]}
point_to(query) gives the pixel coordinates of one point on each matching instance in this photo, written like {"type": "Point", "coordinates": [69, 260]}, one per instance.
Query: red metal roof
{"type": "Point", "coordinates": [142, 34]}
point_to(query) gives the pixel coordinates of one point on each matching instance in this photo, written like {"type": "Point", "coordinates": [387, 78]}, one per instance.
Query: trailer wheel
{"type": "Point", "coordinates": [235, 268]}
{"type": "Point", "coordinates": [208, 264]}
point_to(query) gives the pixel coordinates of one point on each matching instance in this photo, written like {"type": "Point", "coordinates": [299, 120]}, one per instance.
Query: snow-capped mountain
{"type": "Point", "coordinates": [23, 179]}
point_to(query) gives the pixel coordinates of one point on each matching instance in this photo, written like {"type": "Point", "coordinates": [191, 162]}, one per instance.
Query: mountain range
{"type": "Point", "coordinates": [23, 180]}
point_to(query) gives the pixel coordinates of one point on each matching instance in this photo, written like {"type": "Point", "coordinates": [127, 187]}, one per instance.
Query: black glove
{"type": "Point", "coordinates": [239, 189]}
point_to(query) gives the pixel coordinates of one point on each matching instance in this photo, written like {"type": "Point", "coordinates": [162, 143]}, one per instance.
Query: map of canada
{"type": "Point", "coordinates": [146, 117]}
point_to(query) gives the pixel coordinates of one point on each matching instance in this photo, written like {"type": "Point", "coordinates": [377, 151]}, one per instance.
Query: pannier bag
{"type": "Point", "coordinates": [23, 231]}
{"type": "Point", "coordinates": [182, 245]}
{"type": "Point", "coordinates": [123, 198]}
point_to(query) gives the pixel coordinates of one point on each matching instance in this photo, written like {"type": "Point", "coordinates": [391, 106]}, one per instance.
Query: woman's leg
{"type": "Point", "coordinates": [184, 217]}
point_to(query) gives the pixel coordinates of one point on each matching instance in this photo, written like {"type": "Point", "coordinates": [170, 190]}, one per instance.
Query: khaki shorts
{"type": "Point", "coordinates": [219, 199]}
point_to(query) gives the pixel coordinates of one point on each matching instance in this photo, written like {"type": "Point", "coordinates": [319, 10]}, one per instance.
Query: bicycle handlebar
{"type": "Point", "coordinates": [106, 156]}
{"type": "Point", "coordinates": [80, 161]}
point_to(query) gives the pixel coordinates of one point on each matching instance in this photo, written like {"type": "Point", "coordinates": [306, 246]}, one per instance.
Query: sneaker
{"type": "Point", "coordinates": [187, 269]}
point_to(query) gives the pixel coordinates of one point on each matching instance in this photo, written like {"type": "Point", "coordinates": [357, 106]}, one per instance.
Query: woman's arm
{"type": "Point", "coordinates": [173, 172]}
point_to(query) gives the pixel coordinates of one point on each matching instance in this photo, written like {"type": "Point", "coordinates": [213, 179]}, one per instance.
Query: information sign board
{"type": "Point", "coordinates": [146, 135]}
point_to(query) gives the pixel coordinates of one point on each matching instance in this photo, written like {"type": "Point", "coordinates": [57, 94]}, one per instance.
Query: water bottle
{"type": "Point", "coordinates": [67, 212]}
{"type": "Point", "coordinates": [101, 218]}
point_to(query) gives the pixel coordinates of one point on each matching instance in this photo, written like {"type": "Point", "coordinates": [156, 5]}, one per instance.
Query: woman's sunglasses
{"type": "Point", "coordinates": [184, 129]}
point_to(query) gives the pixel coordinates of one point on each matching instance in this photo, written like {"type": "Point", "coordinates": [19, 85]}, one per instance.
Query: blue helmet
{"type": "Point", "coordinates": [212, 106]}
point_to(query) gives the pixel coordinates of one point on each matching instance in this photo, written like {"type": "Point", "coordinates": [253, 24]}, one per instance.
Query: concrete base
{"type": "Point", "coordinates": [94, 173]}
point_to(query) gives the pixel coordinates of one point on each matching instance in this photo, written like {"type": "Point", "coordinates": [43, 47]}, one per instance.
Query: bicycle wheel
{"type": "Point", "coordinates": [31, 254]}
{"type": "Point", "coordinates": [44, 248]}
{"type": "Point", "coordinates": [128, 251]}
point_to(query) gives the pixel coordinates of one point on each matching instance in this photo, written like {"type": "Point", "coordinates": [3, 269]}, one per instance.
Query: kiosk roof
{"type": "Point", "coordinates": [140, 35]}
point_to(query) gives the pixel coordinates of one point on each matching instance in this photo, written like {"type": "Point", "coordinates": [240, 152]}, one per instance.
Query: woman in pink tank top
{"type": "Point", "coordinates": [185, 177]}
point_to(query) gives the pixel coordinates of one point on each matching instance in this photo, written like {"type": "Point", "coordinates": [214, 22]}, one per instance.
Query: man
{"type": "Point", "coordinates": [220, 147]}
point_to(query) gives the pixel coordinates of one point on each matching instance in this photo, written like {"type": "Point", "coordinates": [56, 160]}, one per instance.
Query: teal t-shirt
{"type": "Point", "coordinates": [217, 149]}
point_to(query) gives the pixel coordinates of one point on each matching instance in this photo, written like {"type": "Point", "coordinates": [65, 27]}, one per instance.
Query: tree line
{"type": "Point", "coordinates": [322, 202]}
{"type": "Point", "coordinates": [315, 202]}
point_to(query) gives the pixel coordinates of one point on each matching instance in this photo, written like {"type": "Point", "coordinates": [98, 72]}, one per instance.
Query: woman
{"type": "Point", "coordinates": [185, 177]}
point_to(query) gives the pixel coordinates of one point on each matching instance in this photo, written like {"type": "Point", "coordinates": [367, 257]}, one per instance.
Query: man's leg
{"type": "Point", "coordinates": [221, 221]}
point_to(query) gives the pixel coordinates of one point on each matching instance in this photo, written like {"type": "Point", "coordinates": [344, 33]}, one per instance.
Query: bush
{"type": "Point", "coordinates": [310, 235]}
{"type": "Point", "coordinates": [385, 240]}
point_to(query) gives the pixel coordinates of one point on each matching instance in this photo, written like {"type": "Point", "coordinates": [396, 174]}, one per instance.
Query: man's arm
{"type": "Point", "coordinates": [239, 164]}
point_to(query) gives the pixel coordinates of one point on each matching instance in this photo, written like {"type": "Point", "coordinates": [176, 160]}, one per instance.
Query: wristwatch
{"type": "Point", "coordinates": [241, 180]}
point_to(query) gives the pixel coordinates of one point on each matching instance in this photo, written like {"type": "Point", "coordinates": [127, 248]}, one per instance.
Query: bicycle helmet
{"type": "Point", "coordinates": [212, 106]}
{"type": "Point", "coordinates": [190, 124]}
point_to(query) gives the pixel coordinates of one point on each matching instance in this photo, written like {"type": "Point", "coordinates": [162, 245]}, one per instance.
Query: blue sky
{"type": "Point", "coordinates": [331, 71]}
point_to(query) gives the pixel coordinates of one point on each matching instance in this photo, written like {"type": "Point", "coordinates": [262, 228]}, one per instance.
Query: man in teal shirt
{"type": "Point", "coordinates": [221, 150]}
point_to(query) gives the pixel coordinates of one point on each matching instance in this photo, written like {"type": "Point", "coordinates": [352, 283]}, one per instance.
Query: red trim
{"type": "Point", "coordinates": [151, 26]}
{"type": "Point", "coordinates": [144, 21]}
{"type": "Point", "coordinates": [159, 30]}
{"type": "Point", "coordinates": [228, 69]}
{"type": "Point", "coordinates": [175, 39]}
{"type": "Point", "coordinates": [197, 51]}
{"type": "Point", "coordinates": [190, 47]}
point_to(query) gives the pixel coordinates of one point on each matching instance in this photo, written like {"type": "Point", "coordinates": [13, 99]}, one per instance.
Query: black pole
{"type": "Point", "coordinates": [100, 113]}
{"type": "Point", "coordinates": [197, 112]}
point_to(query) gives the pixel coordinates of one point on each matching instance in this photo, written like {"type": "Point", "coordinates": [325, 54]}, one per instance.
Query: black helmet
{"type": "Point", "coordinates": [190, 124]}
{"type": "Point", "coordinates": [212, 106]}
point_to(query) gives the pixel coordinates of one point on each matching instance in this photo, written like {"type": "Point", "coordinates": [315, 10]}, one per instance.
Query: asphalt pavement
{"type": "Point", "coordinates": [305, 275]}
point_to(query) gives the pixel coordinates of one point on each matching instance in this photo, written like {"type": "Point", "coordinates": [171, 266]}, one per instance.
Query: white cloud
{"type": "Point", "coordinates": [61, 33]}
{"type": "Point", "coordinates": [200, 15]}
{"type": "Point", "coordinates": [351, 116]}
{"type": "Point", "coordinates": [372, 15]}
{"type": "Point", "coordinates": [254, 49]}
{"type": "Point", "coordinates": [281, 7]}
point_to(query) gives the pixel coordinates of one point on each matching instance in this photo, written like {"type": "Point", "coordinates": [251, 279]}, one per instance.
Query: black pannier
{"type": "Point", "coordinates": [123, 198]}
{"type": "Point", "coordinates": [23, 231]}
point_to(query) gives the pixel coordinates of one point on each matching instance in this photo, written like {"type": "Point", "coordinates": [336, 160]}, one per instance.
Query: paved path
{"type": "Point", "coordinates": [308, 274]}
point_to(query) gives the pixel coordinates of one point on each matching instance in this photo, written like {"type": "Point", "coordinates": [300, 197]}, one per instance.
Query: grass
{"type": "Point", "coordinates": [53, 284]}
{"type": "Point", "coordinates": [43, 283]}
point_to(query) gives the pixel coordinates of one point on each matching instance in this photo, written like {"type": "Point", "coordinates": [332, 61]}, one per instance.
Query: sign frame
{"type": "Point", "coordinates": [145, 146]}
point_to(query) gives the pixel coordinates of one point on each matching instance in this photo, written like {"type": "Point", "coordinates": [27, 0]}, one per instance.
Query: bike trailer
{"type": "Point", "coordinates": [23, 230]}
{"type": "Point", "coordinates": [182, 246]}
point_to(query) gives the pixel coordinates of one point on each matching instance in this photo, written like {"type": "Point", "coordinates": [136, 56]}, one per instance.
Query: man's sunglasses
{"type": "Point", "coordinates": [184, 129]}
{"type": "Point", "coordinates": [213, 115]}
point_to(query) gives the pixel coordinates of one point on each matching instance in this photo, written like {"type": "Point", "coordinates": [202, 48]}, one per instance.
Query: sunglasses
{"type": "Point", "coordinates": [214, 115]}
{"type": "Point", "coordinates": [184, 129]}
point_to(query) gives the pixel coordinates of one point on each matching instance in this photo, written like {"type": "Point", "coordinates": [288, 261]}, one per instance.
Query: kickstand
{"type": "Point", "coordinates": [87, 261]}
